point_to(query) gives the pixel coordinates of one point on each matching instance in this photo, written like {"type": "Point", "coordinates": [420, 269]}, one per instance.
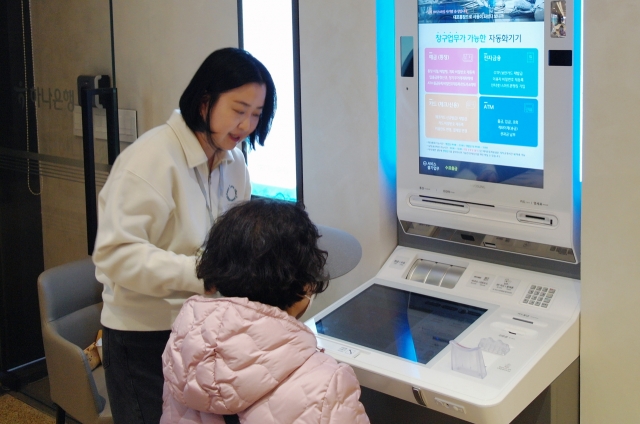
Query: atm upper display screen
{"type": "Point", "coordinates": [398, 322]}
{"type": "Point", "coordinates": [481, 74]}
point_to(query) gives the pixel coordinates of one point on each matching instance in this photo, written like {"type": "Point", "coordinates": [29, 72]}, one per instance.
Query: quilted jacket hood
{"type": "Point", "coordinates": [224, 354]}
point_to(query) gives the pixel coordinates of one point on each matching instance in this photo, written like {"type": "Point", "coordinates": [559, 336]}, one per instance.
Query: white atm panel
{"type": "Point", "coordinates": [395, 333]}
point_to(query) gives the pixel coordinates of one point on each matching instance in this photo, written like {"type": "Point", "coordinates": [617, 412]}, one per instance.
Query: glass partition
{"type": "Point", "coordinates": [42, 202]}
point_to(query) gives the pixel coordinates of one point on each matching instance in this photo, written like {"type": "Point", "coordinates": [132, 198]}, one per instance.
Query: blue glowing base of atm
{"type": "Point", "coordinates": [395, 331]}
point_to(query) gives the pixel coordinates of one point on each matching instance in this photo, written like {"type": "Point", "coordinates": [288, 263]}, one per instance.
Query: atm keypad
{"type": "Point", "coordinates": [539, 296]}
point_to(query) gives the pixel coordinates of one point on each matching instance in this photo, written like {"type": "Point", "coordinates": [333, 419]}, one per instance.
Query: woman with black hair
{"type": "Point", "coordinates": [161, 198]}
{"type": "Point", "coordinates": [247, 353]}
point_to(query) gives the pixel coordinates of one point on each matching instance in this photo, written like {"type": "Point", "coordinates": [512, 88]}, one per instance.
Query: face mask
{"type": "Point", "coordinates": [313, 296]}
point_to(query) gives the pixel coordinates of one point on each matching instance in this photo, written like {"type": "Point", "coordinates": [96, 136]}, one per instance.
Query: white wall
{"type": "Point", "coordinates": [159, 44]}
{"type": "Point", "coordinates": [610, 342]}
{"type": "Point", "coordinates": [344, 186]}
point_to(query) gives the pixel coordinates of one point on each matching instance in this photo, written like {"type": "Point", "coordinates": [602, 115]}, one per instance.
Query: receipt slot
{"type": "Point", "coordinates": [480, 350]}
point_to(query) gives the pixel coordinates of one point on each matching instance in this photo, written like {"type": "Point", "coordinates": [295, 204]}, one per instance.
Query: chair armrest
{"type": "Point", "coordinates": [68, 368]}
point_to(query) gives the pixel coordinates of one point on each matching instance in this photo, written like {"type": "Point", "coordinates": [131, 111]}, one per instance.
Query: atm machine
{"type": "Point", "coordinates": [477, 310]}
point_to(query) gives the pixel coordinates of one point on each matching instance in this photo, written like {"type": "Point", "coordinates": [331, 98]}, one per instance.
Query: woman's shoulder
{"type": "Point", "coordinates": [234, 160]}
{"type": "Point", "coordinates": [158, 148]}
{"type": "Point", "coordinates": [158, 141]}
{"type": "Point", "coordinates": [237, 154]}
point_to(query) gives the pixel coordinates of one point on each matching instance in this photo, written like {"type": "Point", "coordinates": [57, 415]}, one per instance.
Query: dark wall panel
{"type": "Point", "coordinates": [21, 257]}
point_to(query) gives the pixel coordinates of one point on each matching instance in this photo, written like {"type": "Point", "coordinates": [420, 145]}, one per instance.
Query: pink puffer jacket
{"type": "Point", "coordinates": [231, 355]}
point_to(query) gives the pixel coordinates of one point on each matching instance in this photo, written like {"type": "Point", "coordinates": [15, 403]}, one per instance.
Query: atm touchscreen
{"type": "Point", "coordinates": [398, 322]}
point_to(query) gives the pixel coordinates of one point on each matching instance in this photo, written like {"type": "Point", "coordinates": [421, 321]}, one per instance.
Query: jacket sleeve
{"type": "Point", "coordinates": [342, 401]}
{"type": "Point", "coordinates": [133, 215]}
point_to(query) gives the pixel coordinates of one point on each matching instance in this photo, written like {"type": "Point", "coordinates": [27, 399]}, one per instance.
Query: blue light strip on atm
{"type": "Point", "coordinates": [577, 112]}
{"type": "Point", "coordinates": [385, 41]}
{"type": "Point", "coordinates": [577, 84]}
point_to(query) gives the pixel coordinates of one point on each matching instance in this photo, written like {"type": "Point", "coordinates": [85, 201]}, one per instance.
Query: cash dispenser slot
{"type": "Point", "coordinates": [435, 273]}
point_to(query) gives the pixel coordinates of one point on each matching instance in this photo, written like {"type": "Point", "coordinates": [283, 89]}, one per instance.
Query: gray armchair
{"type": "Point", "coordinates": [70, 305]}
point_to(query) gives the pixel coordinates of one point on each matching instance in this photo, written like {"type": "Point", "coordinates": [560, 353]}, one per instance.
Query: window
{"type": "Point", "coordinates": [268, 30]}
